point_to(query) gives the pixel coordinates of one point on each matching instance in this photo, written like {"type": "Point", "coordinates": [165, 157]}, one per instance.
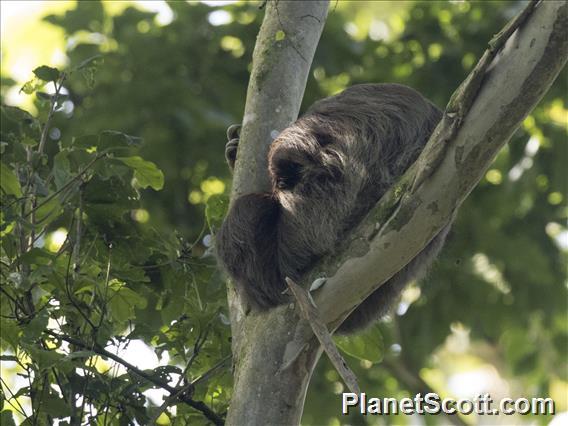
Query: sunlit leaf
{"type": "Point", "coordinates": [216, 209]}
{"type": "Point", "coordinates": [46, 73]}
{"type": "Point", "coordinates": [9, 182]}
{"type": "Point", "coordinates": [32, 85]}
{"type": "Point", "coordinates": [145, 172]}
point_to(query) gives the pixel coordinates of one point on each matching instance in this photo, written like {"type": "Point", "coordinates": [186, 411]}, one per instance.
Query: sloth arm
{"type": "Point", "coordinates": [247, 246]}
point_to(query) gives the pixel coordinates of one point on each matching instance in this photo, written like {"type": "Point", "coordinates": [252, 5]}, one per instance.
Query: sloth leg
{"type": "Point", "coordinates": [380, 303]}
{"type": "Point", "coordinates": [233, 135]}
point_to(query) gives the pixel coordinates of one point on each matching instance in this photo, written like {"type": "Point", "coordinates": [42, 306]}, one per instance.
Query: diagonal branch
{"type": "Point", "coordinates": [311, 314]}
{"type": "Point", "coordinates": [481, 117]}
{"type": "Point", "coordinates": [180, 392]}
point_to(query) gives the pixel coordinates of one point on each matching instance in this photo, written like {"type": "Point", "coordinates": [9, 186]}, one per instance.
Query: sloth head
{"type": "Point", "coordinates": [304, 156]}
{"type": "Point", "coordinates": [315, 179]}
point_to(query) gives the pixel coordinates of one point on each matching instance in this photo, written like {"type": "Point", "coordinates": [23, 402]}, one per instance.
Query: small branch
{"type": "Point", "coordinates": [198, 405]}
{"type": "Point", "coordinates": [107, 278]}
{"type": "Point", "coordinates": [19, 409]}
{"type": "Point", "coordinates": [310, 313]}
{"type": "Point", "coordinates": [78, 235]}
{"type": "Point", "coordinates": [30, 184]}
{"type": "Point", "coordinates": [465, 95]}
{"type": "Point", "coordinates": [211, 372]}
{"type": "Point", "coordinates": [52, 107]}
{"type": "Point", "coordinates": [71, 297]}
{"type": "Point", "coordinates": [66, 185]}
{"type": "Point", "coordinates": [187, 389]}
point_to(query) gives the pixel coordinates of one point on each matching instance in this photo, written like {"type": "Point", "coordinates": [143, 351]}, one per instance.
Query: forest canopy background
{"type": "Point", "coordinates": [491, 315]}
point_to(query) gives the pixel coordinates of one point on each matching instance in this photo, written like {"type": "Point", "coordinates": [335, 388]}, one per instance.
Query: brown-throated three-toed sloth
{"type": "Point", "coordinates": [327, 170]}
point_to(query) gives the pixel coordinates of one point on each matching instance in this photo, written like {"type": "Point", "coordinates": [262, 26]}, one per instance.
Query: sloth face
{"type": "Point", "coordinates": [305, 157]}
{"type": "Point", "coordinates": [309, 169]}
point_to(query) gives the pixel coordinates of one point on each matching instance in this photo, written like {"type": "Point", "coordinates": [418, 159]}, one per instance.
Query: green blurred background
{"type": "Point", "coordinates": [491, 315]}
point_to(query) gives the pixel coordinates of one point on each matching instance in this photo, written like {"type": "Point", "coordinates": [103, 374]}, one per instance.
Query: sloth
{"type": "Point", "coordinates": [327, 170]}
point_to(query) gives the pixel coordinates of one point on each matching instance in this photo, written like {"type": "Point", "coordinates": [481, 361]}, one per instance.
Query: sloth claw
{"type": "Point", "coordinates": [233, 135]}
{"type": "Point", "coordinates": [234, 132]}
{"type": "Point", "coordinates": [231, 152]}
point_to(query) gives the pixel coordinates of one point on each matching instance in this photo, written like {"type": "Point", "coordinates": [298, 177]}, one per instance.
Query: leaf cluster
{"type": "Point", "coordinates": [82, 279]}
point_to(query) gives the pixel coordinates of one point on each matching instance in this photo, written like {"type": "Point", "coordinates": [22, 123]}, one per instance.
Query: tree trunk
{"type": "Point", "coordinates": [264, 395]}
{"type": "Point", "coordinates": [275, 352]}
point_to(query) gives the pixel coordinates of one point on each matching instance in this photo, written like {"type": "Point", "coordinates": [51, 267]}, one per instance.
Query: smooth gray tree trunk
{"type": "Point", "coordinates": [275, 352]}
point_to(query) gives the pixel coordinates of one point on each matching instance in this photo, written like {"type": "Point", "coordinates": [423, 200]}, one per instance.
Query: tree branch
{"type": "Point", "coordinates": [311, 314]}
{"type": "Point", "coordinates": [477, 123]}
{"type": "Point", "coordinates": [522, 63]}
{"type": "Point", "coordinates": [179, 392]}
{"type": "Point", "coordinates": [281, 60]}
{"type": "Point", "coordinates": [281, 63]}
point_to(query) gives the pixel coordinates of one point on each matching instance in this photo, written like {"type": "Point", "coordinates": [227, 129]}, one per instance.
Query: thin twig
{"type": "Point", "coordinates": [107, 278]}
{"type": "Point", "coordinates": [66, 185]}
{"type": "Point", "coordinates": [71, 297]}
{"type": "Point", "coordinates": [311, 314]}
{"type": "Point", "coordinates": [198, 405]}
{"type": "Point", "coordinates": [12, 396]}
{"type": "Point", "coordinates": [52, 107]}
{"type": "Point", "coordinates": [213, 370]}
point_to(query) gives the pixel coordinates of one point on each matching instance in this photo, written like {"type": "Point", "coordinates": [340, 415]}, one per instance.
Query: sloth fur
{"type": "Point", "coordinates": [327, 170]}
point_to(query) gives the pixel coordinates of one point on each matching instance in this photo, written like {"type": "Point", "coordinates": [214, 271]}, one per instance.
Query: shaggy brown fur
{"type": "Point", "coordinates": [327, 170]}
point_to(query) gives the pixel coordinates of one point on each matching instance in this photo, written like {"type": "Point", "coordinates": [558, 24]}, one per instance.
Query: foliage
{"type": "Point", "coordinates": [120, 273]}
{"type": "Point", "coordinates": [81, 279]}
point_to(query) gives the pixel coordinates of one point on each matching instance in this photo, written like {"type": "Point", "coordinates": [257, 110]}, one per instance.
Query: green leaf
{"type": "Point", "coordinates": [36, 256]}
{"type": "Point", "coordinates": [367, 346]}
{"type": "Point", "coordinates": [86, 141]}
{"type": "Point", "coordinates": [111, 139]}
{"type": "Point", "coordinates": [9, 182]}
{"type": "Point", "coordinates": [45, 359]}
{"type": "Point", "coordinates": [61, 169]}
{"type": "Point", "coordinates": [87, 15]}
{"type": "Point", "coordinates": [123, 302]}
{"type": "Point", "coordinates": [48, 211]}
{"type": "Point", "coordinates": [216, 209]}
{"type": "Point", "coordinates": [46, 73]}
{"type": "Point", "coordinates": [19, 124]}
{"type": "Point", "coordinates": [32, 85]}
{"type": "Point", "coordinates": [29, 142]}
{"type": "Point", "coordinates": [10, 333]}
{"type": "Point", "coordinates": [55, 406]}
{"type": "Point", "coordinates": [7, 418]}
{"type": "Point", "coordinates": [145, 172]}
{"type": "Point", "coordinates": [34, 329]}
